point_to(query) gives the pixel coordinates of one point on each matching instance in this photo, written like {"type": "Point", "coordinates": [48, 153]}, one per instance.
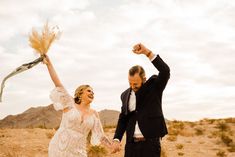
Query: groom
{"type": "Point", "coordinates": [141, 114]}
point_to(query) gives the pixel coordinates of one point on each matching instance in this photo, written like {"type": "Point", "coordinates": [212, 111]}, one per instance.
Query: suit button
{"type": "Point", "coordinates": [136, 111]}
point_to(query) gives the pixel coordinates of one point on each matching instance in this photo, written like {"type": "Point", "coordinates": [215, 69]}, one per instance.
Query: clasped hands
{"type": "Point", "coordinates": [115, 147]}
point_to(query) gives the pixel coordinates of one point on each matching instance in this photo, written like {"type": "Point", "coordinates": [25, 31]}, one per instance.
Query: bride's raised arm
{"type": "Point", "coordinates": [52, 72]}
{"type": "Point", "coordinates": [59, 96]}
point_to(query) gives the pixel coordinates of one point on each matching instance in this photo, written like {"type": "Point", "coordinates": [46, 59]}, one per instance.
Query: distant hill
{"type": "Point", "coordinates": [109, 117]}
{"type": "Point", "coordinates": [48, 117]}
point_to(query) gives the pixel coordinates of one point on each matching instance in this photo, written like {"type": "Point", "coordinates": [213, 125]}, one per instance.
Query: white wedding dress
{"type": "Point", "coordinates": [70, 140]}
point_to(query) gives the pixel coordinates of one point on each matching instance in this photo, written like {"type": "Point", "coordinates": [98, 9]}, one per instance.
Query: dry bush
{"type": "Point", "coordinates": [192, 124]}
{"type": "Point", "coordinates": [50, 134]}
{"type": "Point", "coordinates": [211, 121]}
{"type": "Point", "coordinates": [199, 131]}
{"type": "Point", "coordinates": [210, 136]}
{"type": "Point", "coordinates": [229, 120]}
{"type": "Point", "coordinates": [221, 153]}
{"type": "Point", "coordinates": [215, 133]}
{"type": "Point", "coordinates": [226, 139]}
{"type": "Point", "coordinates": [97, 151]}
{"type": "Point", "coordinates": [180, 153]}
{"type": "Point", "coordinates": [172, 138]}
{"type": "Point", "coordinates": [41, 126]}
{"type": "Point", "coordinates": [231, 148]}
{"type": "Point", "coordinates": [108, 127]}
{"type": "Point", "coordinates": [176, 127]}
{"type": "Point", "coordinates": [223, 126]}
{"type": "Point", "coordinates": [202, 142]}
{"type": "Point", "coordinates": [179, 146]}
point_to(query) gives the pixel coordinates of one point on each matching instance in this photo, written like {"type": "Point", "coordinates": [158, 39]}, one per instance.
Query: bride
{"type": "Point", "coordinates": [78, 119]}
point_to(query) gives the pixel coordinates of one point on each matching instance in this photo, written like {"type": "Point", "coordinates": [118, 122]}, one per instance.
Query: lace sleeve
{"type": "Point", "coordinates": [97, 133]}
{"type": "Point", "coordinates": [60, 98]}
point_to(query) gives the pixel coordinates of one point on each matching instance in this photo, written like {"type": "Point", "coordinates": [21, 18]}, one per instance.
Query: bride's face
{"type": "Point", "coordinates": [88, 95]}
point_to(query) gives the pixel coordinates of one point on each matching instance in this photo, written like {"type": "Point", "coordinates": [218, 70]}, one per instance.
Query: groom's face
{"type": "Point", "coordinates": [135, 82]}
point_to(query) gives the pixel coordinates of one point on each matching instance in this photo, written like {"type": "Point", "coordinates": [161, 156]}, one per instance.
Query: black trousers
{"type": "Point", "coordinates": [148, 148]}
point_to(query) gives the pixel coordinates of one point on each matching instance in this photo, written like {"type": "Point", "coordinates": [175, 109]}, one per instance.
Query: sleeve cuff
{"type": "Point", "coordinates": [153, 57]}
{"type": "Point", "coordinates": [117, 140]}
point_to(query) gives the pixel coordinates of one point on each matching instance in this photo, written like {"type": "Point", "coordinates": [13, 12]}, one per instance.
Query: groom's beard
{"type": "Point", "coordinates": [135, 89]}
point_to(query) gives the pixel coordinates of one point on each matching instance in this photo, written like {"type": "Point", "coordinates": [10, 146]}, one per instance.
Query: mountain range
{"type": "Point", "coordinates": [48, 117]}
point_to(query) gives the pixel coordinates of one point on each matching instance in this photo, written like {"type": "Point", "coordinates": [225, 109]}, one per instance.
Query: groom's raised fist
{"type": "Point", "coordinates": [140, 49]}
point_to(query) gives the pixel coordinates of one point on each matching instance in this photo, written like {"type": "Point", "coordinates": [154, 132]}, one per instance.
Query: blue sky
{"type": "Point", "coordinates": [195, 38]}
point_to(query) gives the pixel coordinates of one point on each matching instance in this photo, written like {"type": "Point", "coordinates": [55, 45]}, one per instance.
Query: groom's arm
{"type": "Point", "coordinates": [120, 129]}
{"type": "Point", "coordinates": [164, 70]}
{"type": "Point", "coordinates": [121, 125]}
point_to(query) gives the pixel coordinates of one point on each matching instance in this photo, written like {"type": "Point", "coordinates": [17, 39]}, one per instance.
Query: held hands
{"type": "Point", "coordinates": [116, 147]}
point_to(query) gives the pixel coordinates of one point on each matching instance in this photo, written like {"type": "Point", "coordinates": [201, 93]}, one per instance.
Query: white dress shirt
{"type": "Point", "coordinates": [132, 107]}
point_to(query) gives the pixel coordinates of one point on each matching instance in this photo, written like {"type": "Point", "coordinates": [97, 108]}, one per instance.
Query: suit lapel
{"type": "Point", "coordinates": [126, 100]}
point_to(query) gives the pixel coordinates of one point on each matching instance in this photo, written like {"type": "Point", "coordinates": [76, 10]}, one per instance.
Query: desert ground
{"type": "Point", "coordinates": [204, 138]}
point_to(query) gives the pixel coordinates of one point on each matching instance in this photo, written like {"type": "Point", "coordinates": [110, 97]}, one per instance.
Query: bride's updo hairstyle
{"type": "Point", "coordinates": [78, 93]}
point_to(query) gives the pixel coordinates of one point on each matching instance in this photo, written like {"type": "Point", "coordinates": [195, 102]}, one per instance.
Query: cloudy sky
{"type": "Point", "coordinates": [195, 38]}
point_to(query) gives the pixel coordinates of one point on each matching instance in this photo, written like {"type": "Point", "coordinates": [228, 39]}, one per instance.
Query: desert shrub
{"type": "Point", "coordinates": [180, 153]}
{"type": "Point", "coordinates": [210, 136]}
{"type": "Point", "coordinates": [49, 134]}
{"type": "Point", "coordinates": [192, 124]}
{"type": "Point", "coordinates": [230, 120]}
{"type": "Point", "coordinates": [226, 139]}
{"type": "Point", "coordinates": [201, 142]}
{"type": "Point", "coordinates": [172, 138]}
{"type": "Point", "coordinates": [175, 127]}
{"type": "Point", "coordinates": [221, 153]}
{"type": "Point", "coordinates": [211, 121]}
{"type": "Point", "coordinates": [199, 131]}
{"type": "Point", "coordinates": [108, 127]}
{"type": "Point", "coordinates": [41, 126]}
{"type": "Point", "coordinates": [179, 146]}
{"type": "Point", "coordinates": [97, 151]}
{"type": "Point", "coordinates": [223, 126]}
{"type": "Point", "coordinates": [215, 133]}
{"type": "Point", "coordinates": [231, 148]}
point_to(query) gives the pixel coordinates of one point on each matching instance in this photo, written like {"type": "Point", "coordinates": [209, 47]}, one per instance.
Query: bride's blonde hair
{"type": "Point", "coordinates": [78, 93]}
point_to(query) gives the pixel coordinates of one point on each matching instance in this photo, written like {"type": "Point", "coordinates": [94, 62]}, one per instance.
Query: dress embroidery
{"type": "Point", "coordinates": [70, 139]}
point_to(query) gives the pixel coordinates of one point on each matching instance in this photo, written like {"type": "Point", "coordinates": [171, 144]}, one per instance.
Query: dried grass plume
{"type": "Point", "coordinates": [42, 42]}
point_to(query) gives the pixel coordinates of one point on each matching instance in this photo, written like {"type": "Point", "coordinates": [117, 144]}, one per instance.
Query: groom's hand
{"type": "Point", "coordinates": [116, 147]}
{"type": "Point", "coordinates": [140, 49]}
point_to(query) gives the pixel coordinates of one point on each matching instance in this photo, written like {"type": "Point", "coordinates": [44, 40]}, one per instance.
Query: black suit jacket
{"type": "Point", "coordinates": [148, 111]}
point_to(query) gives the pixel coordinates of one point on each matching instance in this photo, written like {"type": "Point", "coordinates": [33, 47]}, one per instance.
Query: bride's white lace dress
{"type": "Point", "coordinates": [70, 139]}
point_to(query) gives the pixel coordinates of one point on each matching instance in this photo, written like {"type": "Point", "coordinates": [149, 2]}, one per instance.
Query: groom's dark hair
{"type": "Point", "coordinates": [137, 69]}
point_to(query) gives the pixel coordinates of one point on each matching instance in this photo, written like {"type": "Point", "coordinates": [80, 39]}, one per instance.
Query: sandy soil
{"type": "Point", "coordinates": [199, 139]}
